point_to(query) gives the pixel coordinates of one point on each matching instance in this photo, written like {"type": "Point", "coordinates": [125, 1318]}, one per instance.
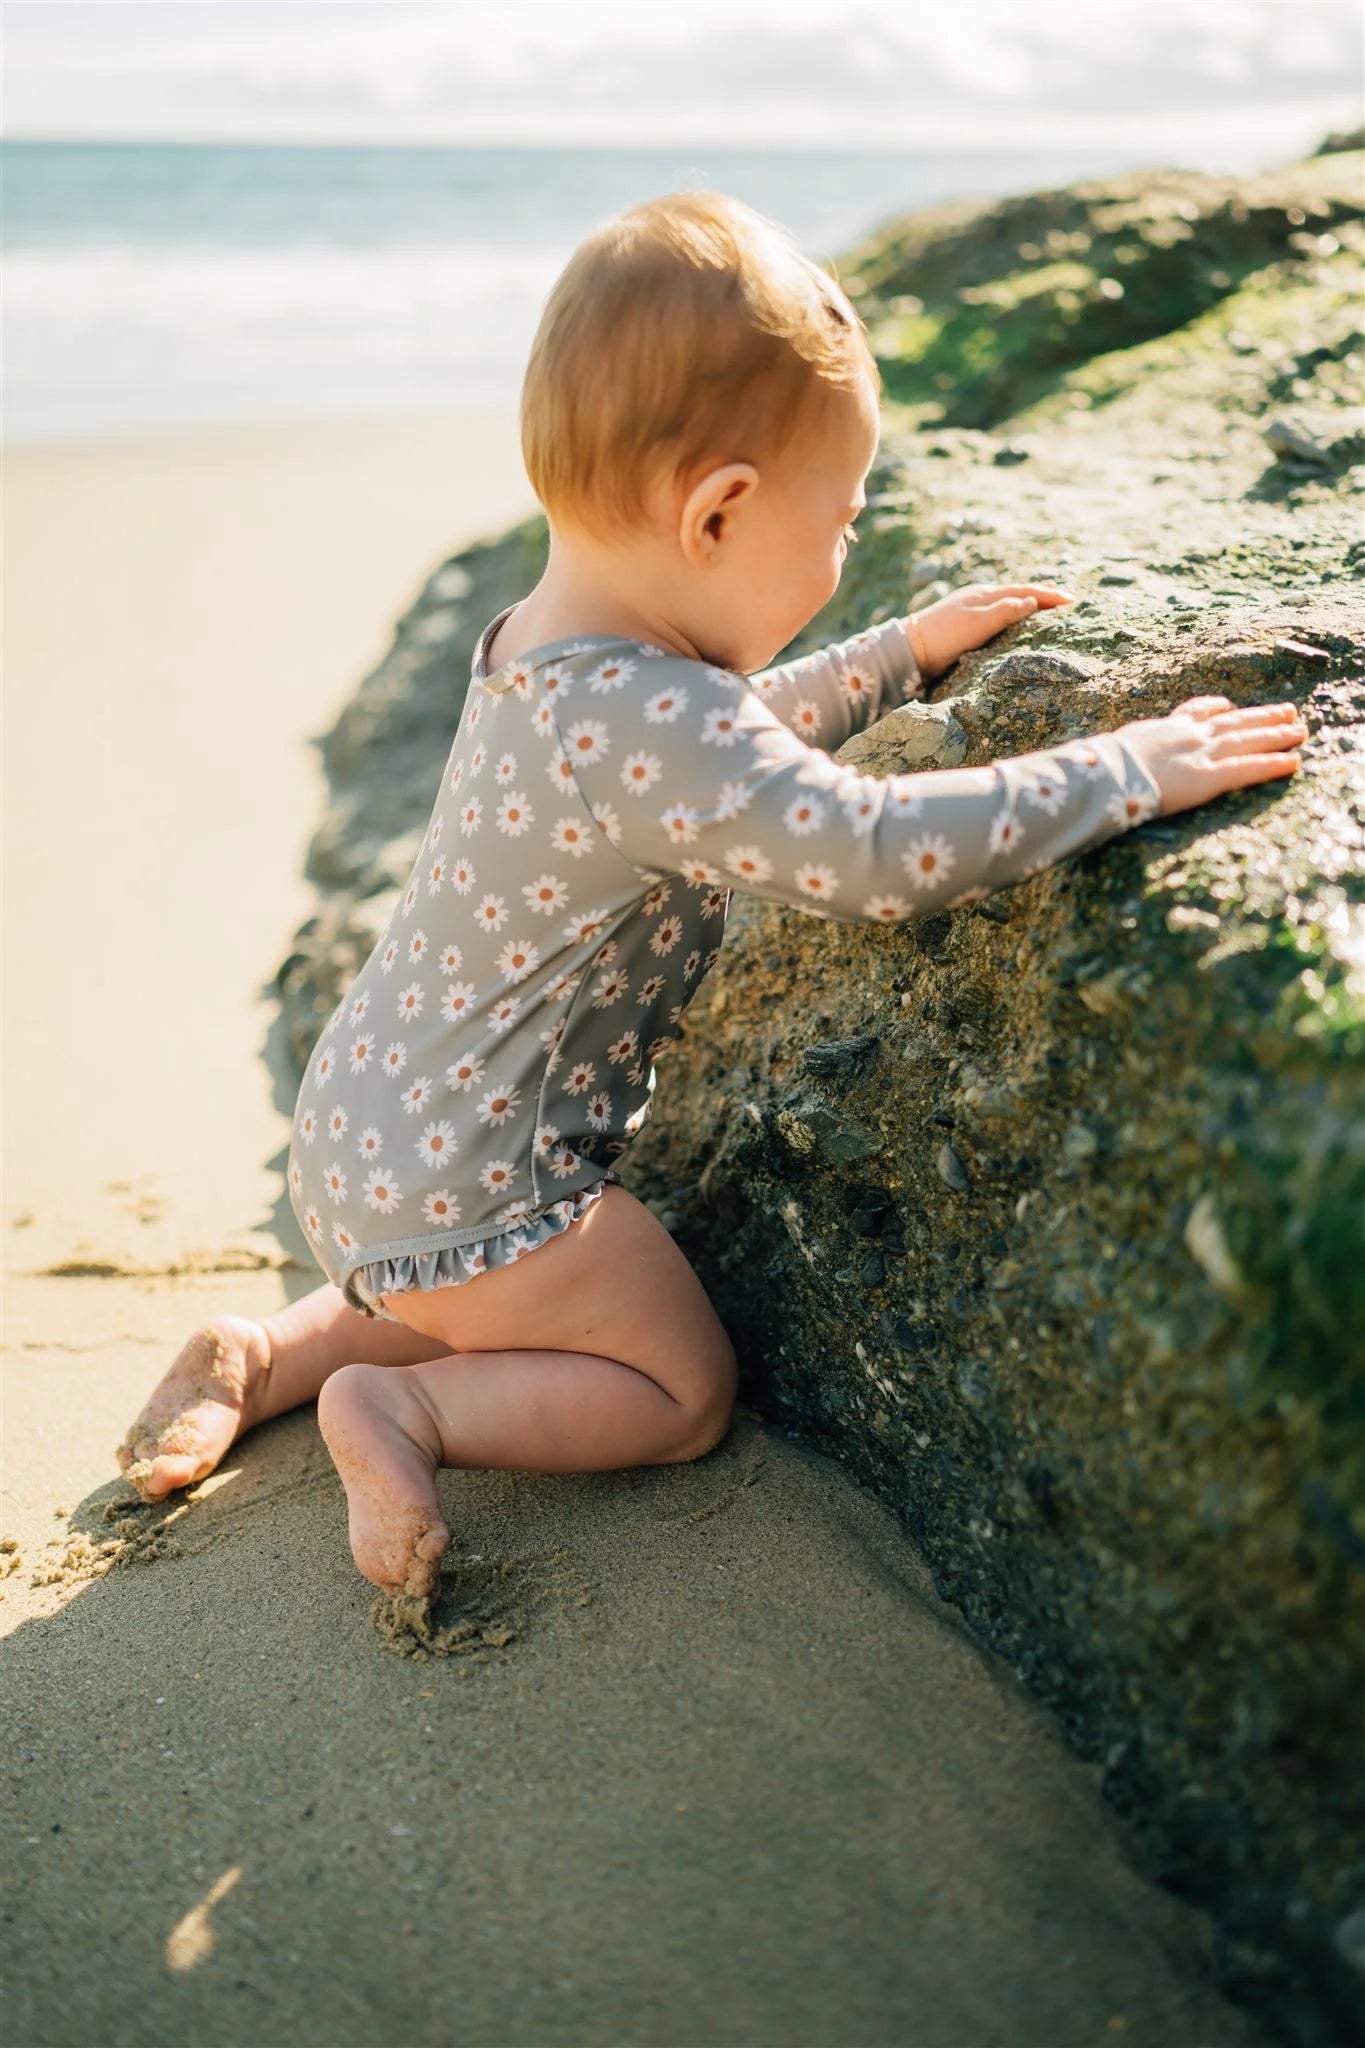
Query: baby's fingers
{"type": "Point", "coordinates": [1257, 739]}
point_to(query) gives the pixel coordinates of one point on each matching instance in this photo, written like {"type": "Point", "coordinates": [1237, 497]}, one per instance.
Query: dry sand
{"type": "Point", "coordinates": [707, 1761]}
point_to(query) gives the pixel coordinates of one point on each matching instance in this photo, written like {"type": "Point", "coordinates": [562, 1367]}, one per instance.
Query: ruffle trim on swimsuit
{"type": "Point", "coordinates": [451, 1264]}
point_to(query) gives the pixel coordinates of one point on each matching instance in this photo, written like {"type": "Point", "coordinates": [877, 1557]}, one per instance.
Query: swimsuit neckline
{"type": "Point", "coordinates": [536, 657]}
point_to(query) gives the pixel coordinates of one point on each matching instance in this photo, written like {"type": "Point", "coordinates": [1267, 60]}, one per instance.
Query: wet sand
{"type": "Point", "coordinates": [705, 1760]}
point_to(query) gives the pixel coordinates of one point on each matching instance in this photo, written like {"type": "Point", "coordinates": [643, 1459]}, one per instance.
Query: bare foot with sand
{"type": "Point", "coordinates": [386, 1449]}
{"type": "Point", "coordinates": [197, 1410]}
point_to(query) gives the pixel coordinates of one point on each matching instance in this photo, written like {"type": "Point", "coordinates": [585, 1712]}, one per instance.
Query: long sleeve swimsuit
{"type": "Point", "coordinates": [601, 799]}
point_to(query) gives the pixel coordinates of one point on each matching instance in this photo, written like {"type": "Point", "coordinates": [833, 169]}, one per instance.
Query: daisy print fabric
{"type": "Point", "coordinates": [602, 797]}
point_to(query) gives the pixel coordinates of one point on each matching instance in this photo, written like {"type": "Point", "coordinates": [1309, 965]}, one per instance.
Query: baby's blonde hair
{"type": "Point", "coordinates": [686, 331]}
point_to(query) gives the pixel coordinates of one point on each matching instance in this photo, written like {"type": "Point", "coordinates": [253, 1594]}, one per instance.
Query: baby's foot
{"type": "Point", "coordinates": [196, 1411]}
{"type": "Point", "coordinates": [380, 1440]}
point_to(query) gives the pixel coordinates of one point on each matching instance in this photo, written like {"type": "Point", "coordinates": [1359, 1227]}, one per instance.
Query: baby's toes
{"type": "Point", "coordinates": [424, 1568]}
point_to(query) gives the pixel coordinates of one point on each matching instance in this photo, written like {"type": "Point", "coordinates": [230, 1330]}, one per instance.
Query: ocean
{"type": "Point", "coordinates": [175, 285]}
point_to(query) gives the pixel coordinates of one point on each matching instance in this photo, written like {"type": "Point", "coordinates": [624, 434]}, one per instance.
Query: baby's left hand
{"type": "Point", "coordinates": [967, 617]}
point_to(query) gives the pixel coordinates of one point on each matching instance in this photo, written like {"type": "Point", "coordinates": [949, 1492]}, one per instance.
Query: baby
{"type": "Point", "coordinates": [699, 417]}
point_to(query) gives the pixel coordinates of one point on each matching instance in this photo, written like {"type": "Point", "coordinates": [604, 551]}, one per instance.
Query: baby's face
{"type": "Point", "coordinates": [782, 555]}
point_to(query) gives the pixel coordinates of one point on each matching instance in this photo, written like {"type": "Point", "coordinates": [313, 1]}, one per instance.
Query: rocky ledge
{"type": "Point", "coordinates": [1048, 1214]}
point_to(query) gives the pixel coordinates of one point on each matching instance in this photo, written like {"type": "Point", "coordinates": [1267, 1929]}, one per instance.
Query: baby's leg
{"type": "Point", "coordinates": [598, 1350]}
{"type": "Point", "coordinates": [233, 1373]}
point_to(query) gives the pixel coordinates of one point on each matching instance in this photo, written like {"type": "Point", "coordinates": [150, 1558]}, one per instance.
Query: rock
{"type": "Point", "coordinates": [1150, 1496]}
{"type": "Point", "coordinates": [1285, 436]}
{"type": "Point", "coordinates": [842, 1058]}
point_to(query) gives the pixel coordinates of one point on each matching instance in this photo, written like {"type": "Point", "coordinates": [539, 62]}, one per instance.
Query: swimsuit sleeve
{"type": "Point", "coordinates": [701, 778]}
{"type": "Point", "coordinates": [827, 696]}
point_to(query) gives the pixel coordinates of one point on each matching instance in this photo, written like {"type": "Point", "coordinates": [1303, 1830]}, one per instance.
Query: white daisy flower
{"type": "Point", "coordinates": [691, 964]}
{"type": "Point", "coordinates": [470, 817]}
{"type": "Point", "coordinates": [624, 1048]}
{"type": "Point", "coordinates": [547, 894]}
{"type": "Point", "coordinates": [560, 770]}
{"type": "Point", "coordinates": [546, 1138]}
{"type": "Point", "coordinates": [655, 898]}
{"type": "Point", "coordinates": [459, 1001]}
{"type": "Point", "coordinates": [550, 1040]}
{"type": "Point", "coordinates": [360, 1005]}
{"type": "Point", "coordinates": [518, 959]}
{"type": "Point", "coordinates": [504, 1014]}
{"type": "Point", "coordinates": [599, 1111]}
{"type": "Point", "coordinates": [640, 772]}
{"type": "Point", "coordinates": [437, 827]}
{"type": "Point", "coordinates": [805, 718]}
{"type": "Point", "coordinates": [555, 681]}
{"type": "Point", "coordinates": [475, 711]}
{"type": "Point", "coordinates": [388, 956]}
{"type": "Point", "coordinates": [608, 821]}
{"type": "Point", "coordinates": [338, 1117]}
{"type": "Point", "coordinates": [665, 706]}
{"type": "Point", "coordinates": [506, 768]}
{"type": "Point", "coordinates": [312, 1223]}
{"type": "Point", "coordinates": [437, 1142]}
{"type": "Point", "coordinates": [498, 1104]}
{"type": "Point", "coordinates": [698, 872]}
{"type": "Point", "coordinates": [605, 956]}
{"type": "Point", "coordinates": [416, 1095]}
{"type": "Point", "coordinates": [491, 914]}
{"type": "Point", "coordinates": [569, 836]}
{"type": "Point", "coordinates": [714, 901]}
{"type": "Point", "coordinates": [803, 814]}
{"type": "Point", "coordinates": [362, 1052]}
{"type": "Point", "coordinates": [1092, 767]}
{"type": "Point", "coordinates": [478, 757]}
{"type": "Point", "coordinates": [465, 1074]}
{"type": "Point", "coordinates": [462, 877]}
{"type": "Point", "coordinates": [650, 990]}
{"type": "Point", "coordinates": [436, 874]}
{"type": "Point", "coordinates": [610, 988]}
{"type": "Point", "coordinates": [497, 1176]}
{"type": "Point", "coordinates": [720, 728]}
{"type": "Point", "coordinates": [410, 1002]}
{"type": "Point", "coordinates": [928, 859]}
{"type": "Point", "coordinates": [680, 822]}
{"type": "Point", "coordinates": [563, 1162]}
{"type": "Point", "coordinates": [440, 1208]}
{"type": "Point", "coordinates": [308, 1126]}
{"type": "Point", "coordinates": [764, 684]}
{"type": "Point", "coordinates": [418, 946]}
{"type": "Point", "coordinates": [587, 741]}
{"type": "Point", "coordinates": [409, 898]}
{"type": "Point", "coordinates": [665, 936]}
{"type": "Point", "coordinates": [636, 1074]}
{"type": "Point", "coordinates": [448, 959]}
{"type": "Point", "coordinates": [1005, 833]}
{"type": "Point", "coordinates": [1048, 792]}
{"type": "Point", "coordinates": [519, 680]}
{"type": "Point", "coordinates": [585, 924]}
{"type": "Point", "coordinates": [371, 1142]}
{"type": "Point", "coordinates": [456, 777]}
{"type": "Point", "coordinates": [394, 1060]}
{"type": "Point", "coordinates": [581, 1077]}
{"type": "Point", "coordinates": [711, 958]}
{"type": "Point", "coordinates": [750, 863]}
{"type": "Point", "coordinates": [857, 684]}
{"type": "Point", "coordinates": [610, 676]}
{"type": "Point", "coordinates": [381, 1192]}
{"type": "Point", "coordinates": [886, 909]}
{"type": "Point", "coordinates": [295, 1177]}
{"type": "Point", "coordinates": [514, 814]}
{"type": "Point", "coordinates": [325, 1068]}
{"type": "Point", "coordinates": [543, 721]}
{"type": "Point", "coordinates": [1132, 808]}
{"type": "Point", "coordinates": [813, 879]}
{"type": "Point", "coordinates": [731, 799]}
{"type": "Point", "coordinates": [334, 1182]}
{"type": "Point", "coordinates": [635, 1122]}
{"type": "Point", "coordinates": [861, 811]}
{"type": "Point", "coordinates": [902, 799]}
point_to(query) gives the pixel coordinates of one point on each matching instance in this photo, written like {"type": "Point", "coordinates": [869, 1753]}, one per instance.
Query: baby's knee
{"type": "Point", "coordinates": [706, 1419]}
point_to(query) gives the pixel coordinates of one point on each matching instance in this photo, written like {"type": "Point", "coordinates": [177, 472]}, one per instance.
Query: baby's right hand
{"type": "Point", "coordinates": [1207, 745]}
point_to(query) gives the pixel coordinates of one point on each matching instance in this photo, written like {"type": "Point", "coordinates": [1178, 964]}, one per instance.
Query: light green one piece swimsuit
{"type": "Point", "coordinates": [601, 799]}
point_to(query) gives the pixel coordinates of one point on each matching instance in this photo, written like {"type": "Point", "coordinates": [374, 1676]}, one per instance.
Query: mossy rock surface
{"type": "Point", "coordinates": [1048, 1214]}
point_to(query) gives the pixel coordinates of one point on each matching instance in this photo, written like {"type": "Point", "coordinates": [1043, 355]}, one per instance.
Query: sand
{"type": "Point", "coordinates": [681, 1756]}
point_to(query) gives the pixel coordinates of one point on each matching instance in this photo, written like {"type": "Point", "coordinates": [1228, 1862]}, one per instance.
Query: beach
{"type": "Point", "coordinates": [707, 1761]}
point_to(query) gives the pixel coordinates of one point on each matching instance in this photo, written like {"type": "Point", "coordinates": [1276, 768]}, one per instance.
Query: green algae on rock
{"type": "Point", "coordinates": [1048, 1214]}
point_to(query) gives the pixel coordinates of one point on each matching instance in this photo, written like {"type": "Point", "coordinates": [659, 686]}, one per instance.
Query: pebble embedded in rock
{"type": "Point", "coordinates": [951, 1170]}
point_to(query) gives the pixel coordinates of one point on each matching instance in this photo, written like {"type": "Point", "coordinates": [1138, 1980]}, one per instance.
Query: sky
{"type": "Point", "coordinates": [1267, 74]}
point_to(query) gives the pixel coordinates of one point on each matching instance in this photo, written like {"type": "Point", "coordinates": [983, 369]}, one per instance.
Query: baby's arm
{"type": "Point", "coordinates": [721, 791]}
{"type": "Point", "coordinates": [827, 696]}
